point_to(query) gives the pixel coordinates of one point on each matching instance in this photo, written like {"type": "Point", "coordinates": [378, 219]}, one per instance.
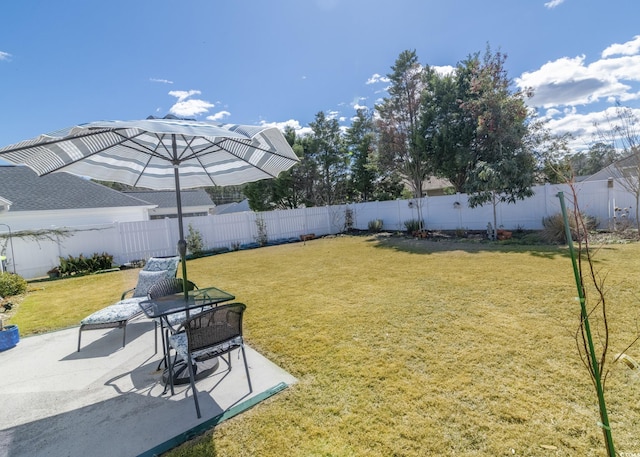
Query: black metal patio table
{"type": "Point", "coordinates": [162, 307]}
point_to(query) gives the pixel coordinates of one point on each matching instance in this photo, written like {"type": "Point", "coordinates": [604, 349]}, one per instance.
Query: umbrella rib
{"type": "Point", "coordinates": [275, 153]}
{"type": "Point", "coordinates": [152, 152]}
{"type": "Point", "coordinates": [233, 140]}
{"type": "Point", "coordinates": [205, 150]}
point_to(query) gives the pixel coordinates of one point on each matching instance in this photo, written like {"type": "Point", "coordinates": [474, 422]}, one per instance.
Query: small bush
{"type": "Point", "coordinates": [554, 231]}
{"type": "Point", "coordinates": [12, 284]}
{"type": "Point", "coordinates": [375, 225]}
{"type": "Point", "coordinates": [412, 225]}
{"type": "Point", "coordinates": [194, 241]}
{"type": "Point", "coordinates": [461, 233]}
{"type": "Point", "coordinates": [348, 220]}
{"type": "Point", "coordinates": [263, 237]}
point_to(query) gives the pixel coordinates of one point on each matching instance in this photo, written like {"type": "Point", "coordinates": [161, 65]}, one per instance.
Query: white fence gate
{"type": "Point", "coordinates": [139, 240]}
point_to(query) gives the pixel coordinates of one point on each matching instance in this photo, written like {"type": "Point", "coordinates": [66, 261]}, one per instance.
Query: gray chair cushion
{"type": "Point", "coordinates": [162, 263]}
{"type": "Point", "coordinates": [146, 279]}
{"type": "Point", "coordinates": [178, 341]}
{"type": "Point", "coordinates": [120, 311]}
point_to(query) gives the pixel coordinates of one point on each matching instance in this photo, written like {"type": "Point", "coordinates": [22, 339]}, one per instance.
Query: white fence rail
{"type": "Point", "coordinates": [128, 241]}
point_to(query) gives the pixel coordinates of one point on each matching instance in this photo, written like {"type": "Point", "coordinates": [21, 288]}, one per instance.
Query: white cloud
{"type": "Point", "coordinates": [568, 81]}
{"type": "Point", "coordinates": [626, 67]}
{"type": "Point", "coordinates": [5, 56]}
{"type": "Point", "coordinates": [553, 3]}
{"type": "Point", "coordinates": [626, 49]}
{"type": "Point", "coordinates": [444, 70]}
{"type": "Point", "coordinates": [186, 107]}
{"type": "Point", "coordinates": [157, 80]}
{"type": "Point", "coordinates": [376, 78]}
{"type": "Point", "coordinates": [332, 114]}
{"type": "Point", "coordinates": [294, 124]}
{"type": "Point", "coordinates": [567, 88]}
{"type": "Point", "coordinates": [357, 104]}
{"type": "Point", "coordinates": [586, 128]}
{"type": "Point", "coordinates": [219, 116]}
{"type": "Point", "coordinates": [183, 94]}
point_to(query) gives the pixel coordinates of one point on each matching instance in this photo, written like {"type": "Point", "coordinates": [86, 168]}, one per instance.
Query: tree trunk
{"type": "Point", "coordinates": [495, 217]}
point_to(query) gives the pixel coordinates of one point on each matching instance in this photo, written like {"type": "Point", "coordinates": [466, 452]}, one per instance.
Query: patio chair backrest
{"type": "Point", "coordinates": [215, 327]}
{"type": "Point", "coordinates": [169, 286]}
{"type": "Point", "coordinates": [169, 264]}
{"type": "Point", "coordinates": [156, 269]}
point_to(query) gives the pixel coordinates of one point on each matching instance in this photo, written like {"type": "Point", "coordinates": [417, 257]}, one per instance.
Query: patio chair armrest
{"type": "Point", "coordinates": [124, 294]}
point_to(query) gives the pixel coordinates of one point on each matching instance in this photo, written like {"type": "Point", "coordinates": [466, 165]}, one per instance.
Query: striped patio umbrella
{"type": "Point", "coordinates": [154, 153]}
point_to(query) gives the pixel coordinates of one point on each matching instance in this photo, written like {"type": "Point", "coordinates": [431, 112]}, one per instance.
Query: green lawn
{"type": "Point", "coordinates": [407, 347]}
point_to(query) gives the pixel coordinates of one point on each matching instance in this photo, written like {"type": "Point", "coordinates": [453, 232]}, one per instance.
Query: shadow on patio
{"type": "Point", "coordinates": [107, 400]}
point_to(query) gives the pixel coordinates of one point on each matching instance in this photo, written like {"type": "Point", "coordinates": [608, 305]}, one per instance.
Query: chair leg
{"type": "Point", "coordinates": [155, 335]}
{"type": "Point", "coordinates": [124, 334]}
{"type": "Point", "coordinates": [192, 380]}
{"type": "Point", "coordinates": [170, 367]}
{"type": "Point", "coordinates": [79, 337]}
{"type": "Point", "coordinates": [246, 368]}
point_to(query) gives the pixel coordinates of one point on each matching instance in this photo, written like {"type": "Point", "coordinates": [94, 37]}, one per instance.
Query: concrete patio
{"type": "Point", "coordinates": [107, 400]}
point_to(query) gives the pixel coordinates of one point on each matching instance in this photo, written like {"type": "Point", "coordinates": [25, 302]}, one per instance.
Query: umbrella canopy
{"type": "Point", "coordinates": [144, 153]}
{"type": "Point", "coordinates": [158, 154]}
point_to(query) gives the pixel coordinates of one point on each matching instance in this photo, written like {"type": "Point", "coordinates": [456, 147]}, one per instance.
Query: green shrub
{"type": "Point", "coordinates": [412, 225]}
{"type": "Point", "coordinates": [71, 265]}
{"type": "Point", "coordinates": [263, 237]}
{"type": "Point", "coordinates": [348, 220]}
{"type": "Point", "coordinates": [12, 284]}
{"type": "Point", "coordinates": [554, 231]}
{"type": "Point", "coordinates": [375, 225]}
{"type": "Point", "coordinates": [194, 241]}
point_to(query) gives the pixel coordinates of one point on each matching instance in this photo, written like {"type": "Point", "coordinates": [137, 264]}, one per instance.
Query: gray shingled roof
{"type": "Point", "coordinates": [29, 192]}
{"type": "Point", "coordinates": [167, 198]}
{"type": "Point", "coordinates": [236, 207]}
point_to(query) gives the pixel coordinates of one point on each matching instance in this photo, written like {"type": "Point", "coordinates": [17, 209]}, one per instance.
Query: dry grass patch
{"type": "Point", "coordinates": [414, 348]}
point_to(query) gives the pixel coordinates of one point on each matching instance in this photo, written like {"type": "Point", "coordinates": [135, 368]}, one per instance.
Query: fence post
{"type": "Point", "coordinates": [119, 254]}
{"type": "Point", "coordinates": [326, 218]}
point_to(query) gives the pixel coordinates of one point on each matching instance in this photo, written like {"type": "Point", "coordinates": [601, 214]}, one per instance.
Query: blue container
{"type": "Point", "coordinates": [9, 337]}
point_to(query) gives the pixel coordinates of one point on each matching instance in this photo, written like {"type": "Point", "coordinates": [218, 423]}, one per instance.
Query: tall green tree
{"type": "Point", "coordinates": [598, 156]}
{"type": "Point", "coordinates": [284, 192]}
{"type": "Point", "coordinates": [505, 169]}
{"type": "Point", "coordinates": [327, 152]}
{"type": "Point", "coordinates": [402, 146]}
{"type": "Point", "coordinates": [360, 140]}
{"type": "Point", "coordinates": [552, 153]}
{"type": "Point", "coordinates": [449, 129]}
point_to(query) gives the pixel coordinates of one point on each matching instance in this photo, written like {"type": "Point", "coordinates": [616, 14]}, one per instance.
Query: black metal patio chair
{"type": "Point", "coordinates": [212, 333]}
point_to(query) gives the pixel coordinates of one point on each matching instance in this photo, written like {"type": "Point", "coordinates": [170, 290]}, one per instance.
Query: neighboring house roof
{"type": "Point", "coordinates": [57, 191]}
{"type": "Point", "coordinates": [232, 207]}
{"type": "Point", "coordinates": [167, 198]}
{"type": "Point", "coordinates": [435, 186]}
{"type": "Point", "coordinates": [624, 167]}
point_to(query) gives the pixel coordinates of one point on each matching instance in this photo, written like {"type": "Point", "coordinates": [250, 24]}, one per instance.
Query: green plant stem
{"type": "Point", "coordinates": [587, 330]}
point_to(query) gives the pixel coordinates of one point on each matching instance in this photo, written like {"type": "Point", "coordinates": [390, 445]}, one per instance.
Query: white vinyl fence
{"type": "Point", "coordinates": [129, 241]}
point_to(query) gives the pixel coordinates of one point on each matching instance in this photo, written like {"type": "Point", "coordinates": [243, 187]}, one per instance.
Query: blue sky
{"type": "Point", "coordinates": [282, 61]}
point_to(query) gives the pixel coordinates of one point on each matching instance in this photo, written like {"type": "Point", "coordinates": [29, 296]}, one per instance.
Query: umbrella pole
{"type": "Point", "coordinates": [182, 244]}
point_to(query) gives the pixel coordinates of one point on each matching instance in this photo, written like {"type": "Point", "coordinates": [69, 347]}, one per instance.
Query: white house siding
{"type": "Point", "coordinates": [32, 220]}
